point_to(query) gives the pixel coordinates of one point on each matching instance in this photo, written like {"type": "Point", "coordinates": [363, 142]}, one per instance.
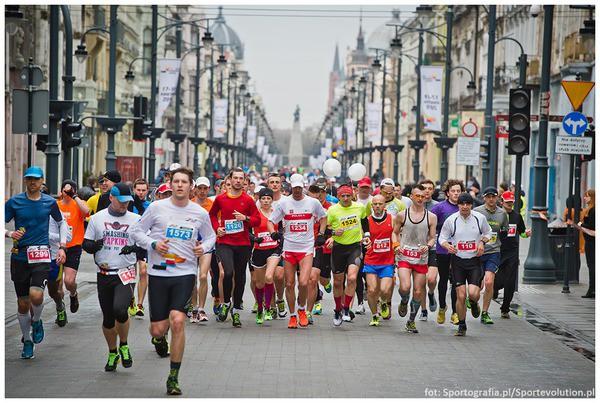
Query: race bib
{"type": "Point", "coordinates": [127, 275]}
{"type": "Point", "coordinates": [298, 226]}
{"type": "Point", "coordinates": [382, 245]}
{"type": "Point", "coordinates": [233, 226]}
{"type": "Point", "coordinates": [349, 222]}
{"type": "Point", "coordinates": [467, 246]}
{"type": "Point", "coordinates": [512, 230]}
{"type": "Point", "coordinates": [267, 241]}
{"type": "Point", "coordinates": [411, 252]}
{"type": "Point", "coordinates": [38, 254]}
{"type": "Point", "coordinates": [179, 232]}
{"type": "Point", "coordinates": [493, 237]}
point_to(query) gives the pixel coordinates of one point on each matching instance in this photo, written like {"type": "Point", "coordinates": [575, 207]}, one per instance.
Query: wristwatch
{"type": "Point", "coordinates": [63, 248]}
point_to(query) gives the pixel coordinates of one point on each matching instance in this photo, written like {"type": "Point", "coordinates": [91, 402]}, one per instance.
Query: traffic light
{"type": "Point", "coordinates": [519, 121]}
{"type": "Point", "coordinates": [590, 132]}
{"type": "Point", "coordinates": [485, 153]}
{"type": "Point", "coordinates": [41, 142]}
{"type": "Point", "coordinates": [68, 129]}
{"type": "Point", "coordinates": [140, 110]}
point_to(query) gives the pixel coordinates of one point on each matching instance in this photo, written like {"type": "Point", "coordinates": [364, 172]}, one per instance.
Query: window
{"type": "Point", "coordinates": [147, 50]}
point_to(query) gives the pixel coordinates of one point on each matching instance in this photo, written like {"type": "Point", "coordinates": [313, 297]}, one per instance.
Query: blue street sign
{"type": "Point", "coordinates": [574, 124]}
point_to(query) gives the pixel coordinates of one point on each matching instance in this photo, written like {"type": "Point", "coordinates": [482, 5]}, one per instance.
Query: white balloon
{"type": "Point", "coordinates": [357, 171]}
{"type": "Point", "coordinates": [332, 167]}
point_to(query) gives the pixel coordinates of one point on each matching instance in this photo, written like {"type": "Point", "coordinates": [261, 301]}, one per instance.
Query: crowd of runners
{"type": "Point", "coordinates": [300, 238]}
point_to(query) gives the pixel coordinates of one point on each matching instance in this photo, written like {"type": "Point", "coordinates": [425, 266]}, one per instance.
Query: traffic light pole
{"type": "Point", "coordinates": [52, 150]}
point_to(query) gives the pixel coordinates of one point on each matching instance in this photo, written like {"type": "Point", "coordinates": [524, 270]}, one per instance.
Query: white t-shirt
{"type": "Point", "coordinates": [465, 234]}
{"type": "Point", "coordinates": [54, 235]}
{"type": "Point", "coordinates": [182, 226]}
{"type": "Point", "coordinates": [116, 233]}
{"type": "Point", "coordinates": [364, 202]}
{"type": "Point", "coordinates": [274, 203]}
{"type": "Point", "coordinates": [299, 218]}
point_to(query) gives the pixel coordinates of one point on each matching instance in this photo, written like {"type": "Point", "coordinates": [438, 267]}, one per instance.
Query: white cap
{"type": "Point", "coordinates": [174, 166]}
{"type": "Point", "coordinates": [202, 181]}
{"type": "Point", "coordinates": [297, 180]}
{"type": "Point", "coordinates": [387, 182]}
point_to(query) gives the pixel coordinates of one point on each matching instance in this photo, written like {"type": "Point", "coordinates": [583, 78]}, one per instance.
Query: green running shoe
{"type": "Point", "coordinates": [374, 321]}
{"type": "Point", "coordinates": [255, 307]}
{"type": "Point", "coordinates": [173, 386]}
{"type": "Point", "coordinates": [132, 310]}
{"type": "Point", "coordinates": [411, 327]}
{"type": "Point", "coordinates": [260, 318]}
{"type": "Point", "coordinates": [318, 308]}
{"type": "Point", "coordinates": [468, 303]}
{"type": "Point", "coordinates": [61, 317]}
{"type": "Point", "coordinates": [113, 360]}
{"type": "Point", "coordinates": [485, 319]}
{"type": "Point", "coordinates": [126, 359]}
{"type": "Point", "coordinates": [328, 287]}
{"type": "Point", "coordinates": [268, 314]}
{"type": "Point", "coordinates": [224, 312]}
{"type": "Point", "coordinates": [385, 311]}
{"type": "Point", "coordinates": [310, 319]}
{"type": "Point", "coordinates": [236, 320]}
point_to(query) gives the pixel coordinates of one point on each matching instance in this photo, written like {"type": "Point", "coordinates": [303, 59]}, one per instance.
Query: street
{"type": "Point", "coordinates": [354, 360]}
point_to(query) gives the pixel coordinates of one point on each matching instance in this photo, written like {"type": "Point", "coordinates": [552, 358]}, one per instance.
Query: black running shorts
{"type": "Point", "coordinates": [73, 257]}
{"type": "Point", "coordinates": [25, 276]}
{"type": "Point", "coordinates": [465, 271]}
{"type": "Point", "coordinates": [343, 256]}
{"type": "Point", "coordinates": [166, 294]}
{"type": "Point", "coordinates": [259, 256]}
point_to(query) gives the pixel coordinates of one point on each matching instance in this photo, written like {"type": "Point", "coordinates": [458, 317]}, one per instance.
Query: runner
{"type": "Point", "coordinates": [140, 204]}
{"type": "Point", "coordinates": [92, 202]}
{"type": "Point", "coordinates": [348, 221]}
{"type": "Point", "coordinates": [163, 191]}
{"type": "Point", "coordinates": [364, 191]}
{"type": "Point", "coordinates": [265, 257]}
{"type": "Point", "coordinates": [30, 255]}
{"type": "Point", "coordinates": [452, 188]}
{"type": "Point", "coordinates": [416, 232]}
{"type": "Point", "coordinates": [464, 235]}
{"type": "Point", "coordinates": [509, 252]}
{"type": "Point", "coordinates": [110, 178]}
{"type": "Point", "coordinates": [432, 270]}
{"type": "Point", "coordinates": [232, 215]}
{"type": "Point", "coordinates": [55, 289]}
{"type": "Point", "coordinates": [107, 236]}
{"type": "Point", "coordinates": [176, 224]}
{"type": "Point", "coordinates": [298, 214]}
{"type": "Point", "coordinates": [490, 260]}
{"type": "Point", "coordinates": [379, 260]}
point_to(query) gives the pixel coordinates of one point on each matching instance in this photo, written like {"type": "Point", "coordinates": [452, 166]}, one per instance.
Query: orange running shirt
{"type": "Point", "coordinates": [75, 220]}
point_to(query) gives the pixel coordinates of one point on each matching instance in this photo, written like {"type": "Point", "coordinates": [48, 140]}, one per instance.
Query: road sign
{"type": "Point", "coordinates": [536, 118]}
{"type": "Point", "coordinates": [501, 132]}
{"type": "Point", "coordinates": [574, 123]}
{"type": "Point", "coordinates": [39, 112]}
{"type": "Point", "coordinates": [470, 129]}
{"type": "Point", "coordinates": [37, 76]}
{"type": "Point", "coordinates": [577, 91]}
{"type": "Point", "coordinates": [573, 145]}
{"type": "Point", "coordinates": [467, 151]}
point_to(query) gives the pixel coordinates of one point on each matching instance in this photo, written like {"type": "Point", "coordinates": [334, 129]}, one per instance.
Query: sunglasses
{"type": "Point", "coordinates": [419, 196]}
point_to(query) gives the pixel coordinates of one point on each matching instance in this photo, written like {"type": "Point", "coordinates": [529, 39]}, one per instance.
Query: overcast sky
{"type": "Point", "coordinates": [289, 57]}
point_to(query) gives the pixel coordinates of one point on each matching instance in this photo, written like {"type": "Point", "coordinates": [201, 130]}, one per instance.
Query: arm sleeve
{"type": "Point", "coordinates": [55, 213]}
{"type": "Point", "coordinates": [89, 244]}
{"type": "Point", "coordinates": [364, 222]}
{"type": "Point", "coordinates": [140, 229]}
{"type": "Point", "coordinates": [213, 214]}
{"type": "Point", "coordinates": [65, 232]}
{"type": "Point", "coordinates": [207, 233]}
{"type": "Point", "coordinates": [521, 225]}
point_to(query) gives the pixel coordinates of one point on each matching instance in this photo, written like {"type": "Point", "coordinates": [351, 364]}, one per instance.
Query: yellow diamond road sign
{"type": "Point", "coordinates": [577, 91]}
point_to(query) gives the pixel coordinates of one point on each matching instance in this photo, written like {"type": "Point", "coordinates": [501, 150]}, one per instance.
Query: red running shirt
{"type": "Point", "coordinates": [236, 232]}
{"type": "Point", "coordinates": [262, 231]}
{"type": "Point", "coordinates": [381, 251]}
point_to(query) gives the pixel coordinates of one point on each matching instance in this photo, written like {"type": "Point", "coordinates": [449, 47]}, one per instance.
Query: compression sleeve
{"type": "Point", "coordinates": [364, 222]}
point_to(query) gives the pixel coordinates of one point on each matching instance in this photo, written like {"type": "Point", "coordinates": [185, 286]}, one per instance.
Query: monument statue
{"type": "Point", "coordinates": [297, 114]}
{"type": "Point", "coordinates": [295, 153]}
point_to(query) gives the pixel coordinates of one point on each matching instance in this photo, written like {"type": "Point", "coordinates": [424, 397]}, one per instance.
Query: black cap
{"type": "Point", "coordinates": [265, 192]}
{"type": "Point", "coordinates": [112, 175]}
{"type": "Point", "coordinates": [321, 183]}
{"type": "Point", "coordinates": [476, 185]}
{"type": "Point", "coordinates": [122, 192]}
{"type": "Point", "coordinates": [465, 198]}
{"type": "Point", "coordinates": [69, 182]}
{"type": "Point", "coordinates": [490, 190]}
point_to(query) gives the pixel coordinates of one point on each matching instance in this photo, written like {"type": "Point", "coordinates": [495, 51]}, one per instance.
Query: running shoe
{"type": "Point", "coordinates": [224, 312]}
{"type": "Point", "coordinates": [216, 307]}
{"type": "Point", "coordinates": [126, 359]}
{"type": "Point", "coordinates": [74, 303]}
{"type": "Point", "coordinates": [302, 318]}
{"type": "Point", "coordinates": [255, 307]}
{"type": "Point", "coordinates": [328, 287]}
{"type": "Point", "coordinates": [468, 303]}
{"type": "Point", "coordinates": [374, 320]}
{"type": "Point", "coordinates": [423, 316]}
{"type": "Point", "coordinates": [352, 315]}
{"type": "Point", "coordinates": [235, 318]}
{"type": "Point", "coordinates": [402, 308]}
{"type": "Point", "coordinates": [485, 319]}
{"type": "Point", "coordinates": [140, 312]}
{"type": "Point", "coordinates": [268, 315]}
{"type": "Point", "coordinates": [360, 310]}
{"type": "Point", "coordinates": [505, 315]}
{"type": "Point", "coordinates": [202, 316]}
{"type": "Point", "coordinates": [260, 317]}
{"type": "Point", "coordinates": [386, 313]}
{"type": "Point", "coordinates": [111, 364]}
{"type": "Point", "coordinates": [161, 346]}
{"type": "Point", "coordinates": [346, 316]}
{"type": "Point", "coordinates": [432, 304]}
{"type": "Point", "coordinates": [310, 319]}
{"type": "Point", "coordinates": [194, 317]}
{"type": "Point", "coordinates": [441, 318]}
{"type": "Point", "coordinates": [461, 331]}
{"type": "Point", "coordinates": [189, 310]}
{"type": "Point", "coordinates": [27, 353]}
{"type": "Point", "coordinates": [293, 322]}
{"type": "Point", "coordinates": [132, 310]}
{"type": "Point", "coordinates": [454, 318]}
{"type": "Point", "coordinates": [475, 310]}
{"type": "Point", "coordinates": [173, 386]}
{"type": "Point", "coordinates": [61, 317]}
{"type": "Point", "coordinates": [318, 308]}
{"type": "Point", "coordinates": [37, 331]}
{"type": "Point", "coordinates": [411, 327]}
{"type": "Point", "coordinates": [337, 318]}
{"type": "Point", "coordinates": [281, 311]}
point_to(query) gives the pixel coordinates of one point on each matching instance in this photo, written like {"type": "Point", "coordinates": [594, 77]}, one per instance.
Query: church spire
{"type": "Point", "coordinates": [336, 60]}
{"type": "Point", "coordinates": [360, 40]}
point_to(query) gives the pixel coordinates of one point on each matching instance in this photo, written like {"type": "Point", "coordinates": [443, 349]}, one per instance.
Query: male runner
{"type": "Point", "coordinates": [364, 191]}
{"type": "Point", "coordinates": [298, 214]}
{"type": "Point", "coordinates": [490, 260]}
{"type": "Point", "coordinates": [416, 232]}
{"type": "Point", "coordinates": [452, 188]}
{"type": "Point", "coordinates": [464, 235]}
{"type": "Point", "coordinates": [393, 206]}
{"type": "Point", "coordinates": [432, 270]}
{"type": "Point", "coordinates": [140, 204]}
{"type": "Point", "coordinates": [30, 254]}
{"type": "Point", "coordinates": [379, 260]}
{"type": "Point", "coordinates": [107, 234]}
{"type": "Point", "coordinates": [180, 232]}
{"type": "Point", "coordinates": [75, 211]}
{"type": "Point", "coordinates": [232, 215]}
{"type": "Point", "coordinates": [348, 221]}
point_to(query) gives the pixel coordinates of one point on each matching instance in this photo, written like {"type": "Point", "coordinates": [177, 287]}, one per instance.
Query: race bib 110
{"type": "Point", "coordinates": [467, 246]}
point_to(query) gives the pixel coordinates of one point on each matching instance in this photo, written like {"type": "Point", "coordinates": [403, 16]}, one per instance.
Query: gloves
{"type": "Point", "coordinates": [275, 236]}
{"type": "Point", "coordinates": [99, 244]}
{"type": "Point", "coordinates": [127, 249]}
{"type": "Point", "coordinates": [320, 241]}
{"type": "Point", "coordinates": [92, 246]}
{"type": "Point", "coordinates": [258, 240]}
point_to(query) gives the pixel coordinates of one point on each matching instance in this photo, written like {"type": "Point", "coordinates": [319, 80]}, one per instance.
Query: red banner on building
{"type": "Point", "coordinates": [130, 168]}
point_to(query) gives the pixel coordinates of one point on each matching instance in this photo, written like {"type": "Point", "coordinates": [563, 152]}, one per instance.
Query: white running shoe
{"type": "Point", "coordinates": [337, 318]}
{"type": "Point", "coordinates": [423, 316]}
{"type": "Point", "coordinates": [360, 310]}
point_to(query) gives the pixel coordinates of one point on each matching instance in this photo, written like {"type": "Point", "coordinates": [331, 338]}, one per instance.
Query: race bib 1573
{"type": "Point", "coordinates": [179, 232]}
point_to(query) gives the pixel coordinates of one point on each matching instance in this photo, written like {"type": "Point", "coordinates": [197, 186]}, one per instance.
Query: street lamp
{"type": "Point", "coordinates": [81, 53]}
